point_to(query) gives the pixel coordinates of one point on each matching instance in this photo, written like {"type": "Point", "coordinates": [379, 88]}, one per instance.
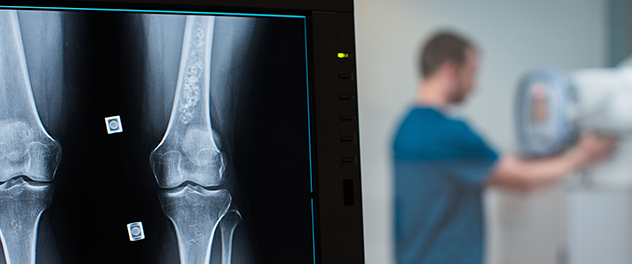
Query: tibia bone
{"type": "Point", "coordinates": [25, 146]}
{"type": "Point", "coordinates": [227, 228]}
{"type": "Point", "coordinates": [21, 205]}
{"type": "Point", "coordinates": [188, 151]}
{"type": "Point", "coordinates": [195, 213]}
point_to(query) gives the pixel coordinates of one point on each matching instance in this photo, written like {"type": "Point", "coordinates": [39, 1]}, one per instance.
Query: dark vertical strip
{"type": "Point", "coordinates": [619, 30]}
{"type": "Point", "coordinates": [104, 181]}
{"type": "Point", "coordinates": [348, 192]}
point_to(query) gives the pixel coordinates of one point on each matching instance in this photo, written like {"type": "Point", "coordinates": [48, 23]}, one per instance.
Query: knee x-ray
{"type": "Point", "coordinates": [185, 138]}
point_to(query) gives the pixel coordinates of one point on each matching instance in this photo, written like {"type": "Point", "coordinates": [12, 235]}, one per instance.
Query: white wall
{"type": "Point", "coordinates": [515, 36]}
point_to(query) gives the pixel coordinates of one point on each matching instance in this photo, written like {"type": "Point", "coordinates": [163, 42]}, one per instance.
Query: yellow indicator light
{"type": "Point", "coordinates": [343, 55]}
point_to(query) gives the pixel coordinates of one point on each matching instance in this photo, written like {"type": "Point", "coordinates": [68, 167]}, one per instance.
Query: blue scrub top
{"type": "Point", "coordinates": [441, 167]}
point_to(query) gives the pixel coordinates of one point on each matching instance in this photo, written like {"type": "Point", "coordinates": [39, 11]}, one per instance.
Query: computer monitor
{"type": "Point", "coordinates": [179, 132]}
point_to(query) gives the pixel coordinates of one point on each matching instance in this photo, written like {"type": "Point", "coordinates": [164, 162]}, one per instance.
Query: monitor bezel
{"type": "Point", "coordinates": [334, 131]}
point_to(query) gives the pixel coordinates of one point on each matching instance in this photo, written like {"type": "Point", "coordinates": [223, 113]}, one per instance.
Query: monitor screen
{"type": "Point", "coordinates": [152, 136]}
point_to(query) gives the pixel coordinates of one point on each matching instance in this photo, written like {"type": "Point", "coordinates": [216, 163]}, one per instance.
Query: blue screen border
{"type": "Point", "coordinates": [149, 11]}
{"type": "Point", "coordinates": [311, 180]}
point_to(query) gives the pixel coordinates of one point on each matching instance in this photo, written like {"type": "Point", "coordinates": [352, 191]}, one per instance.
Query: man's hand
{"type": "Point", "coordinates": [527, 175]}
{"type": "Point", "coordinates": [593, 148]}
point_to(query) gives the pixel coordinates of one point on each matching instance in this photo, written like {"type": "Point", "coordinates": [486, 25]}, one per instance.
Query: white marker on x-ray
{"type": "Point", "coordinates": [113, 124]}
{"type": "Point", "coordinates": [135, 231]}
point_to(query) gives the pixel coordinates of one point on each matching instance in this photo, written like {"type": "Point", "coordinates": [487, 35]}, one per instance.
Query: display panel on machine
{"type": "Point", "coordinates": [539, 104]}
{"type": "Point", "coordinates": [542, 116]}
{"type": "Point", "coordinates": [204, 155]}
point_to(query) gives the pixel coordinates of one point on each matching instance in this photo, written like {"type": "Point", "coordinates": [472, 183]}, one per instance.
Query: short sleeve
{"type": "Point", "coordinates": [443, 145]}
{"type": "Point", "coordinates": [471, 159]}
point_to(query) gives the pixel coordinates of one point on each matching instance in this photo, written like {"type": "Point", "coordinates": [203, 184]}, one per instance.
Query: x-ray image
{"type": "Point", "coordinates": [29, 156]}
{"type": "Point", "coordinates": [203, 156]}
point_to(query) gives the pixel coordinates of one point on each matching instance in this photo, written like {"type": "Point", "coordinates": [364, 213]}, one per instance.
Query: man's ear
{"type": "Point", "coordinates": [449, 68]}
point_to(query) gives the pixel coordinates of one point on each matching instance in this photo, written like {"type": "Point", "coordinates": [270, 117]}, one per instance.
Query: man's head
{"type": "Point", "coordinates": [452, 61]}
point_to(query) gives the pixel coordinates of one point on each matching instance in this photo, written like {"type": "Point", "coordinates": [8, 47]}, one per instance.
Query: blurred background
{"type": "Point", "coordinates": [515, 37]}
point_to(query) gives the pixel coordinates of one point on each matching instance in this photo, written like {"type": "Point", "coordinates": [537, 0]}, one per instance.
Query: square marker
{"type": "Point", "coordinates": [135, 231]}
{"type": "Point", "coordinates": [113, 124]}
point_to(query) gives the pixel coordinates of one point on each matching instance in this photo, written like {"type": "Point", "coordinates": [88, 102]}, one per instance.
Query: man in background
{"type": "Point", "coordinates": [442, 166]}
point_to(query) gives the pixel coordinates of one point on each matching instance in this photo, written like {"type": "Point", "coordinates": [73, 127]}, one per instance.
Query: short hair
{"type": "Point", "coordinates": [442, 47]}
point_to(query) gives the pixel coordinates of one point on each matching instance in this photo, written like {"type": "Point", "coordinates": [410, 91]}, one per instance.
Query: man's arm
{"type": "Point", "coordinates": [526, 175]}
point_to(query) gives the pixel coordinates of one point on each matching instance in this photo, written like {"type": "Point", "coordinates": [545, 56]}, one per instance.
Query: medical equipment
{"type": "Point", "coordinates": [553, 109]}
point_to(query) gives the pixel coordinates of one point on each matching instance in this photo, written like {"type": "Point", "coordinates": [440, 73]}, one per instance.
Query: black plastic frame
{"type": "Point", "coordinates": [333, 107]}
